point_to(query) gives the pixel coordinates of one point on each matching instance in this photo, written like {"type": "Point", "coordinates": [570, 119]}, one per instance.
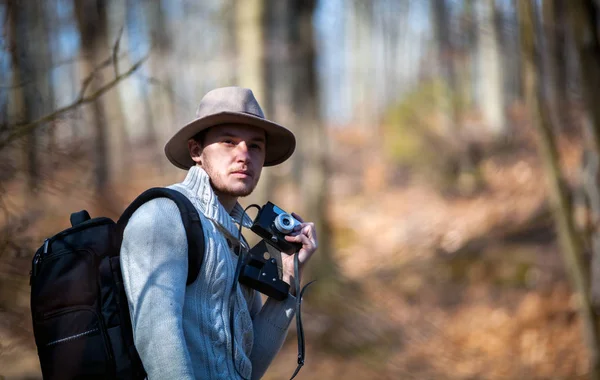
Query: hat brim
{"type": "Point", "coordinates": [279, 147]}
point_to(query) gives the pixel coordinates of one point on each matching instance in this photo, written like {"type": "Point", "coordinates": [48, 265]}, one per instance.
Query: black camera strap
{"type": "Point", "coordinates": [299, 328]}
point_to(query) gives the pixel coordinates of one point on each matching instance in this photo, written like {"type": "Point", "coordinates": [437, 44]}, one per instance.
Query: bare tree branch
{"type": "Point", "coordinates": [68, 61]}
{"type": "Point", "coordinates": [21, 129]}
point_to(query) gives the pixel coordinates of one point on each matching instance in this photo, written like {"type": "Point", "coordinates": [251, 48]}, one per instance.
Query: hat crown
{"type": "Point", "coordinates": [229, 99]}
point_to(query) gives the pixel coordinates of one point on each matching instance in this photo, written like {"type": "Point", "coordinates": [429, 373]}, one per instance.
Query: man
{"type": "Point", "coordinates": [183, 332]}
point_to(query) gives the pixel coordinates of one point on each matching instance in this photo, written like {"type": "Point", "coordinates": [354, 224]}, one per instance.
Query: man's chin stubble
{"type": "Point", "coordinates": [237, 193]}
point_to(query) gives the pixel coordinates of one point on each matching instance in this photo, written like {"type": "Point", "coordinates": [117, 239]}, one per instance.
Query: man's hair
{"type": "Point", "coordinates": [199, 137]}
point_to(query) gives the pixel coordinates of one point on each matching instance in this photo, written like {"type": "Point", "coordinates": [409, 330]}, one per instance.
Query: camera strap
{"type": "Point", "coordinates": [299, 328]}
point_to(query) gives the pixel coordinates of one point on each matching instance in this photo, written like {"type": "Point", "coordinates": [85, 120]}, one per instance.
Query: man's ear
{"type": "Point", "coordinates": [195, 150]}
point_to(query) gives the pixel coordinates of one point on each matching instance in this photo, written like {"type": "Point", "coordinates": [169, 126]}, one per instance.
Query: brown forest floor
{"type": "Point", "coordinates": [443, 287]}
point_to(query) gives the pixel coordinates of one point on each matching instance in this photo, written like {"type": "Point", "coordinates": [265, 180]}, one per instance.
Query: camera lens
{"type": "Point", "coordinates": [284, 223]}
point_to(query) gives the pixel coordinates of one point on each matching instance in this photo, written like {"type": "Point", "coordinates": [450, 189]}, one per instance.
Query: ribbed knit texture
{"type": "Point", "coordinates": [183, 332]}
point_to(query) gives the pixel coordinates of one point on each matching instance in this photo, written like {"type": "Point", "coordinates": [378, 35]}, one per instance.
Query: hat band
{"type": "Point", "coordinates": [252, 114]}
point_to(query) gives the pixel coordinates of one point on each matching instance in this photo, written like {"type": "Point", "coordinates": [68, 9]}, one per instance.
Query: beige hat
{"type": "Point", "coordinates": [233, 105]}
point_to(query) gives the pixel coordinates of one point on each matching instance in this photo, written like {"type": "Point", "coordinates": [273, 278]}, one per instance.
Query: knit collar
{"type": "Point", "coordinates": [198, 182]}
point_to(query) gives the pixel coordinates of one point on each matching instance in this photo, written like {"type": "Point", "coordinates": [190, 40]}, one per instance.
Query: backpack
{"type": "Point", "coordinates": [79, 308]}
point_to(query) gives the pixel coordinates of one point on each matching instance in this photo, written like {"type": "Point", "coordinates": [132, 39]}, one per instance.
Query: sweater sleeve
{"type": "Point", "coordinates": [154, 266]}
{"type": "Point", "coordinates": [271, 324]}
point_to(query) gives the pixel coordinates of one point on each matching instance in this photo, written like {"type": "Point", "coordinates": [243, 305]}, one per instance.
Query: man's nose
{"type": "Point", "coordinates": [243, 153]}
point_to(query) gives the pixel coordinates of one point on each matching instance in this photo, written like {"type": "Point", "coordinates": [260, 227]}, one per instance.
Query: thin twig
{"type": "Point", "coordinates": [115, 56]}
{"type": "Point", "coordinates": [87, 81]}
{"type": "Point", "coordinates": [153, 81]}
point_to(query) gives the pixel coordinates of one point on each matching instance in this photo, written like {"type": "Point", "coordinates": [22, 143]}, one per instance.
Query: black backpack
{"type": "Point", "coordinates": [79, 307]}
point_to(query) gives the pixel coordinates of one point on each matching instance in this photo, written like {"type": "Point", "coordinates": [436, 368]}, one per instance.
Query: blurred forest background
{"type": "Point", "coordinates": [448, 151]}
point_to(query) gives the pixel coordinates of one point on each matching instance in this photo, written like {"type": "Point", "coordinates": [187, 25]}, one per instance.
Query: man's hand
{"type": "Point", "coordinates": [305, 234]}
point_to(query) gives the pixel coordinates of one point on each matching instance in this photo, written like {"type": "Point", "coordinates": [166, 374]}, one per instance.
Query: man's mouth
{"type": "Point", "coordinates": [242, 173]}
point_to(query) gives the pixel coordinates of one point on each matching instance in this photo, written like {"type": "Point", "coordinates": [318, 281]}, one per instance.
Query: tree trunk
{"type": "Point", "coordinates": [91, 21]}
{"type": "Point", "coordinates": [136, 18]}
{"type": "Point", "coordinates": [250, 45]}
{"type": "Point", "coordinates": [15, 100]}
{"type": "Point", "coordinates": [557, 38]}
{"type": "Point", "coordinates": [469, 32]}
{"type": "Point", "coordinates": [312, 140]}
{"type": "Point", "coordinates": [160, 96]}
{"type": "Point", "coordinates": [583, 16]}
{"type": "Point", "coordinates": [25, 99]}
{"type": "Point", "coordinates": [537, 98]}
{"type": "Point", "coordinates": [292, 96]}
{"type": "Point", "coordinates": [46, 88]}
{"type": "Point", "coordinates": [490, 72]}
{"type": "Point", "coordinates": [445, 50]}
{"type": "Point", "coordinates": [107, 121]}
{"type": "Point", "coordinates": [445, 63]}
{"type": "Point", "coordinates": [280, 80]}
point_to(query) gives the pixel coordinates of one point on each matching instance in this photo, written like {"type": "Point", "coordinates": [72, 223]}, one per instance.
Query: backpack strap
{"type": "Point", "coordinates": [189, 217]}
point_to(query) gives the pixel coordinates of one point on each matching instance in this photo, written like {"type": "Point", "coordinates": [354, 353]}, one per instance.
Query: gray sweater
{"type": "Point", "coordinates": [183, 332]}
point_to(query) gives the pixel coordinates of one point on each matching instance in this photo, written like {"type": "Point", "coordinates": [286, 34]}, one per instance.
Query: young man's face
{"type": "Point", "coordinates": [233, 156]}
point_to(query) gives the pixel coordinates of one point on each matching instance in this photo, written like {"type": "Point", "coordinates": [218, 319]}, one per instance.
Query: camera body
{"type": "Point", "coordinates": [273, 224]}
{"type": "Point", "coordinates": [260, 270]}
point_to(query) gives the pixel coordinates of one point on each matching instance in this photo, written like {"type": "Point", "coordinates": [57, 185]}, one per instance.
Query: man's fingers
{"type": "Point", "coordinates": [295, 237]}
{"type": "Point", "coordinates": [305, 227]}
{"type": "Point", "coordinates": [300, 238]}
{"type": "Point", "coordinates": [306, 241]}
{"type": "Point", "coordinates": [297, 217]}
{"type": "Point", "coordinates": [308, 229]}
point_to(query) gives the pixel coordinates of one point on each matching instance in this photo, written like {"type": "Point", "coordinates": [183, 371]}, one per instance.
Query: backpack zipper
{"type": "Point", "coordinates": [69, 338]}
{"type": "Point", "coordinates": [37, 259]}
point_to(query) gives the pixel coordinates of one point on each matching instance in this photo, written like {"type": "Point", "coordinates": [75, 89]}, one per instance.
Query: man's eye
{"type": "Point", "coordinates": [228, 142]}
{"type": "Point", "coordinates": [256, 146]}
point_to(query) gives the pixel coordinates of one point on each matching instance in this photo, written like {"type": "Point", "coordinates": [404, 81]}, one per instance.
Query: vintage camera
{"type": "Point", "coordinates": [273, 224]}
{"type": "Point", "coordinates": [261, 266]}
